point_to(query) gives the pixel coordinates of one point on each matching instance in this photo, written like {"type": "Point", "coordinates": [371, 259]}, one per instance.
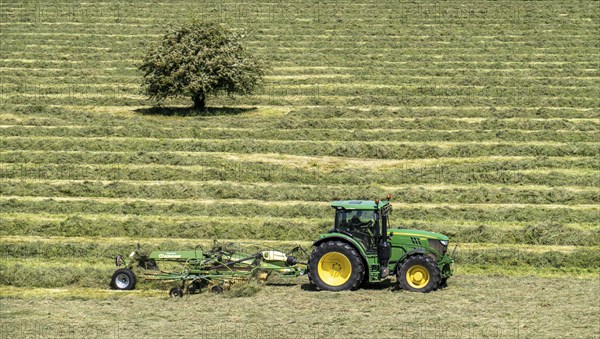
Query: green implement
{"type": "Point", "coordinates": [196, 270]}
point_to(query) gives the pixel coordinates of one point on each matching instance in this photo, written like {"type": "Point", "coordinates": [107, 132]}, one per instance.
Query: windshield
{"type": "Point", "coordinates": [355, 218]}
{"type": "Point", "coordinates": [359, 223]}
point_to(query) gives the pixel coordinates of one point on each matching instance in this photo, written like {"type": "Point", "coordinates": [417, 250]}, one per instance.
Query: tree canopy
{"type": "Point", "coordinates": [199, 59]}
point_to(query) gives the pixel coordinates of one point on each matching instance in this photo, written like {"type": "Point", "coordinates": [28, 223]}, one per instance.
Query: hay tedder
{"type": "Point", "coordinates": [196, 270]}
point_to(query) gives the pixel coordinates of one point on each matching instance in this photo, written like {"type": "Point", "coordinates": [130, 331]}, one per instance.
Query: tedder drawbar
{"type": "Point", "coordinates": [359, 249]}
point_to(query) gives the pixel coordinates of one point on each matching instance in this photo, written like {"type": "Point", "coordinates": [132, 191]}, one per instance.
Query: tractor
{"type": "Point", "coordinates": [362, 248]}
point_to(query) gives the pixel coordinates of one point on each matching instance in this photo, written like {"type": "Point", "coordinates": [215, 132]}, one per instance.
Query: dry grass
{"type": "Point", "coordinates": [472, 306]}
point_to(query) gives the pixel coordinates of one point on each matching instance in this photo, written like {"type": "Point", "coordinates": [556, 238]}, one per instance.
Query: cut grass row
{"type": "Point", "coordinates": [279, 161]}
{"type": "Point", "coordinates": [273, 28]}
{"type": "Point", "coordinates": [430, 118]}
{"type": "Point", "coordinates": [295, 192]}
{"type": "Point", "coordinates": [488, 115]}
{"type": "Point", "coordinates": [268, 16]}
{"type": "Point", "coordinates": [363, 17]}
{"type": "Point", "coordinates": [328, 94]}
{"type": "Point", "coordinates": [16, 58]}
{"type": "Point", "coordinates": [467, 118]}
{"type": "Point", "coordinates": [486, 174]}
{"type": "Point", "coordinates": [315, 134]}
{"type": "Point", "coordinates": [298, 95]}
{"type": "Point", "coordinates": [473, 54]}
{"type": "Point", "coordinates": [460, 69]}
{"type": "Point", "coordinates": [365, 149]}
{"type": "Point", "coordinates": [389, 30]}
{"type": "Point", "coordinates": [310, 96]}
{"type": "Point", "coordinates": [16, 80]}
{"type": "Point", "coordinates": [340, 56]}
{"type": "Point", "coordinates": [249, 172]}
{"type": "Point", "coordinates": [465, 75]}
{"type": "Point", "coordinates": [387, 14]}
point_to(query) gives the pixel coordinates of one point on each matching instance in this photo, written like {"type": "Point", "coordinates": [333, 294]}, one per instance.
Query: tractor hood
{"type": "Point", "coordinates": [417, 233]}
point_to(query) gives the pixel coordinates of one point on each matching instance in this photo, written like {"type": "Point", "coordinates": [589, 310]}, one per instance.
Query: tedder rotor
{"type": "Point", "coordinates": [196, 270]}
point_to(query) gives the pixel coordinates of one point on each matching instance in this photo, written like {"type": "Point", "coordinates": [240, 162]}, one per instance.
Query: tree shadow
{"type": "Point", "coordinates": [191, 112]}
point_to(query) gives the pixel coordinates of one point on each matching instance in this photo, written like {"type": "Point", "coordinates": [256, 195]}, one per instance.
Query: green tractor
{"type": "Point", "coordinates": [362, 248]}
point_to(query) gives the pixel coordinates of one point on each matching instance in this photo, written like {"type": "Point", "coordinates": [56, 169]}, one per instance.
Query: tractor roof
{"type": "Point", "coordinates": [358, 204]}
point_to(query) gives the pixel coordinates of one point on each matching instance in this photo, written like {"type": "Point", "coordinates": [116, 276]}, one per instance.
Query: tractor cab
{"type": "Point", "coordinates": [362, 220]}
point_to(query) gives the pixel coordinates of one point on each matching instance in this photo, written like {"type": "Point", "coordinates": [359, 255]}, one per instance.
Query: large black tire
{"type": "Point", "coordinates": [419, 273]}
{"type": "Point", "coordinates": [335, 266]}
{"type": "Point", "coordinates": [123, 279]}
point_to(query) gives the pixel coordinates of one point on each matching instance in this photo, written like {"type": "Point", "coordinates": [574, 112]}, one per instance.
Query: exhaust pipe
{"type": "Point", "coordinates": [384, 250]}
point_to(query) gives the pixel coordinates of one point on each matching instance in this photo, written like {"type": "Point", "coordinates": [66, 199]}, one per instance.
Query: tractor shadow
{"type": "Point", "coordinates": [191, 112]}
{"type": "Point", "coordinates": [280, 284]}
{"type": "Point", "coordinates": [379, 286]}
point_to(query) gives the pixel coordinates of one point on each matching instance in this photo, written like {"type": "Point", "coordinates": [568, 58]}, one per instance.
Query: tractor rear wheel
{"type": "Point", "coordinates": [419, 273]}
{"type": "Point", "coordinates": [123, 279]}
{"type": "Point", "coordinates": [335, 266]}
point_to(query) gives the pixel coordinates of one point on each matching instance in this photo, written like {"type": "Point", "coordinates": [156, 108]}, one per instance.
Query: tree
{"type": "Point", "coordinates": [199, 59]}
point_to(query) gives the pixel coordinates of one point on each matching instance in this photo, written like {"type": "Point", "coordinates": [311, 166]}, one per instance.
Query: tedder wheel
{"type": "Point", "coordinates": [217, 289]}
{"type": "Point", "coordinates": [419, 273]}
{"type": "Point", "coordinates": [176, 292]}
{"type": "Point", "coordinates": [335, 266]}
{"type": "Point", "coordinates": [123, 279]}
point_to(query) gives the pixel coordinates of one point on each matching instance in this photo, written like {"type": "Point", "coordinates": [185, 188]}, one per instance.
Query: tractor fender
{"type": "Point", "coordinates": [346, 239]}
{"type": "Point", "coordinates": [408, 254]}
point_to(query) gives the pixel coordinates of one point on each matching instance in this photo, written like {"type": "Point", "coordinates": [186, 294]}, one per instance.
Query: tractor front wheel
{"type": "Point", "coordinates": [335, 266]}
{"type": "Point", "coordinates": [419, 273]}
{"type": "Point", "coordinates": [123, 279]}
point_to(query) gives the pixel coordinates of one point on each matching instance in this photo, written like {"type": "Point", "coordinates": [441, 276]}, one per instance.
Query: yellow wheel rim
{"type": "Point", "coordinates": [334, 269]}
{"type": "Point", "coordinates": [417, 276]}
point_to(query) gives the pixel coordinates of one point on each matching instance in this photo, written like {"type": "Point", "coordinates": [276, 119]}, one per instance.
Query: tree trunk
{"type": "Point", "coordinates": [199, 101]}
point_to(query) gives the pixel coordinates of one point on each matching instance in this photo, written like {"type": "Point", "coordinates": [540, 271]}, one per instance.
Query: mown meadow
{"type": "Point", "coordinates": [480, 118]}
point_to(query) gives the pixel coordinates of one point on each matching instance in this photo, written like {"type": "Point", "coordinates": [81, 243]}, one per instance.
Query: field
{"type": "Point", "coordinates": [481, 118]}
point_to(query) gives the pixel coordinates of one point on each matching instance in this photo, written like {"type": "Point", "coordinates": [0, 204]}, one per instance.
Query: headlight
{"type": "Point", "coordinates": [444, 242]}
